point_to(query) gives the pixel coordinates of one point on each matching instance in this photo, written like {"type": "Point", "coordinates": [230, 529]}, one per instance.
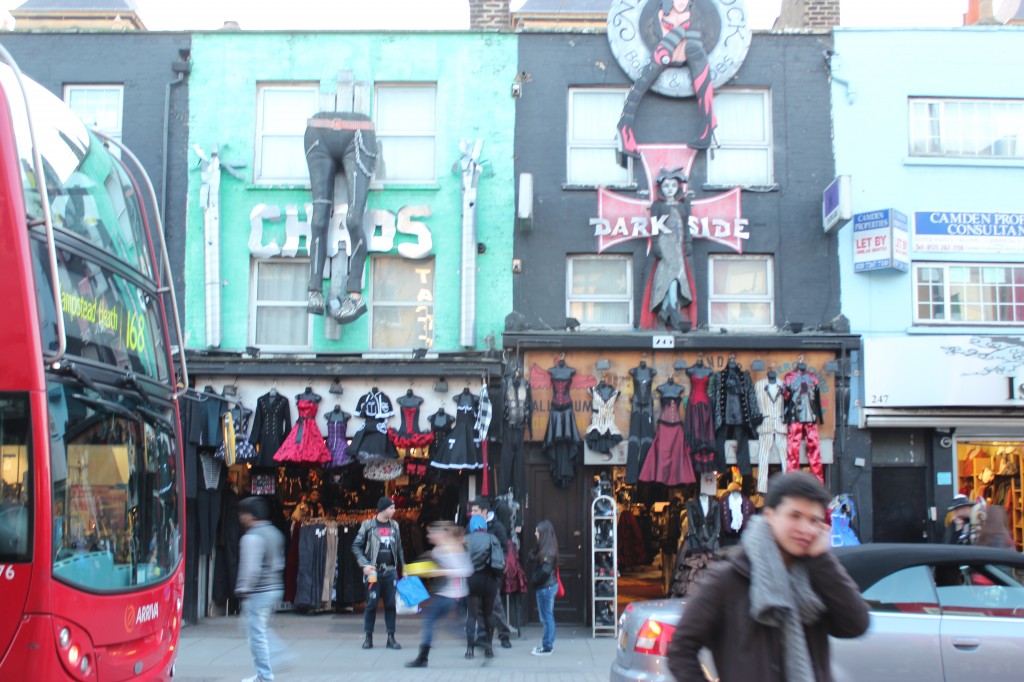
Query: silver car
{"type": "Point", "coordinates": [938, 612]}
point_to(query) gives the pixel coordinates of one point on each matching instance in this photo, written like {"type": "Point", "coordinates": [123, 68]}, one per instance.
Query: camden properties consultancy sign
{"type": "Point", "coordinates": [968, 232]}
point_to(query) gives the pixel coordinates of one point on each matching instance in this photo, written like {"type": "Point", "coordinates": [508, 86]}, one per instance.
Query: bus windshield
{"type": "Point", "coordinates": [115, 496]}
{"type": "Point", "coordinates": [15, 479]}
{"type": "Point", "coordinates": [90, 193]}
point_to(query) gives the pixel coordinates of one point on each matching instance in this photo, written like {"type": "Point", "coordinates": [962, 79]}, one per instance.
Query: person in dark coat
{"type": "Point", "coordinates": [481, 507]}
{"type": "Point", "coordinates": [958, 531]}
{"type": "Point", "coordinates": [780, 593]}
{"type": "Point", "coordinates": [488, 559]}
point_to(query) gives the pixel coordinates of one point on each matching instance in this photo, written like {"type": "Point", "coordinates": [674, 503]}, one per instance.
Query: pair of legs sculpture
{"type": "Point", "coordinates": [333, 142]}
{"type": "Point", "coordinates": [700, 72]}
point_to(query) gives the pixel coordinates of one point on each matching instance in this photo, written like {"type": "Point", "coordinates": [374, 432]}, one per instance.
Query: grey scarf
{"type": "Point", "coordinates": [781, 599]}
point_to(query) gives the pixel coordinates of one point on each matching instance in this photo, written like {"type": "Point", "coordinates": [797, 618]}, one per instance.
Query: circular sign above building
{"type": "Point", "coordinates": [639, 28]}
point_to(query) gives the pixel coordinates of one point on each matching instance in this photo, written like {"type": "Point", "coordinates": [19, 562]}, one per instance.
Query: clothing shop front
{"type": "Point", "coordinates": [323, 440]}
{"type": "Point", "coordinates": [944, 416]}
{"type": "Point", "coordinates": [682, 438]}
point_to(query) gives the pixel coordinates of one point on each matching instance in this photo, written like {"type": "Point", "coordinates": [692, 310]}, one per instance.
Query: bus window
{"type": "Point", "coordinates": [15, 479]}
{"type": "Point", "coordinates": [108, 317]}
{"type": "Point", "coordinates": [117, 506]}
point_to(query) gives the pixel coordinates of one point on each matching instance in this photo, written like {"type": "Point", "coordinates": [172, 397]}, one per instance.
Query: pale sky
{"type": "Point", "coordinates": [170, 15]}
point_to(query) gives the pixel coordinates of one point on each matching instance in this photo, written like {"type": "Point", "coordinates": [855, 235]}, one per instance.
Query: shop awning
{"type": "Point", "coordinates": [979, 419]}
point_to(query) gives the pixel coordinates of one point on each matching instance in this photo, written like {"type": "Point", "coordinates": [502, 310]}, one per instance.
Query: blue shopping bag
{"type": "Point", "coordinates": [412, 591]}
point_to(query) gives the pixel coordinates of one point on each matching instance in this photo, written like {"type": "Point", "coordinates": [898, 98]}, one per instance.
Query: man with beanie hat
{"type": "Point", "coordinates": [378, 549]}
{"type": "Point", "coordinates": [260, 581]}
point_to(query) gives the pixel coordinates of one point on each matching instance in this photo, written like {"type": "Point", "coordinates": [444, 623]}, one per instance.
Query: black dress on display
{"type": "Point", "coordinates": [371, 442]}
{"type": "Point", "coordinates": [460, 449]}
{"type": "Point", "coordinates": [737, 414]}
{"type": "Point", "coordinates": [517, 418]}
{"type": "Point", "coordinates": [441, 424]}
{"type": "Point", "coordinates": [562, 443]}
{"type": "Point", "coordinates": [409, 436]}
{"type": "Point", "coordinates": [641, 420]}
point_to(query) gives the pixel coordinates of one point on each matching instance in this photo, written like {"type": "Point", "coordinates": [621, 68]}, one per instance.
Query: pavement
{"type": "Point", "coordinates": [328, 647]}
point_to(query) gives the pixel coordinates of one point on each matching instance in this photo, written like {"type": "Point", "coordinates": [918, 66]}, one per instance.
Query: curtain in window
{"type": "Point", "coordinates": [281, 318]}
{"type": "Point", "coordinates": [745, 156]}
{"type": "Point", "coordinates": [594, 115]}
{"type": "Point", "coordinates": [405, 122]}
{"type": "Point", "coordinates": [402, 297]}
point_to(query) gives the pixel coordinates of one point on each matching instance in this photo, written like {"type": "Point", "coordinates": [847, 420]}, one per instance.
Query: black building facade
{"type": "Point", "coordinates": [764, 270]}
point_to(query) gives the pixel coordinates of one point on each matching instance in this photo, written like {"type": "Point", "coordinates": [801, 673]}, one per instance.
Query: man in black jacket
{"type": "Point", "coordinates": [780, 593]}
{"type": "Point", "coordinates": [480, 507]}
{"type": "Point", "coordinates": [378, 549]}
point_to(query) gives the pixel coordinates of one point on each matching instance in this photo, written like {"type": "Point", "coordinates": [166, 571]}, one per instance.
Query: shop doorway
{"type": "Point", "coordinates": [899, 501]}
{"type": "Point", "coordinates": [565, 509]}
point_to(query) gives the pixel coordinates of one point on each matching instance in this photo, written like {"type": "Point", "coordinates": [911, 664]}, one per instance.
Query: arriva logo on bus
{"type": "Point", "coordinates": [382, 227]}
{"type": "Point", "coordinates": [134, 617]}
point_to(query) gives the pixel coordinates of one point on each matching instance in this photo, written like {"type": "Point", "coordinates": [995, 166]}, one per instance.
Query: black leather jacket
{"type": "Point", "coordinates": [480, 545]}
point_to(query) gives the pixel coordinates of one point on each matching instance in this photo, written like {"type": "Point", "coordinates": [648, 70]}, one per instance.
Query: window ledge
{"type": "Point", "coordinates": [278, 186]}
{"type": "Point", "coordinates": [746, 188]}
{"type": "Point", "coordinates": [954, 329]}
{"type": "Point", "coordinates": [396, 185]}
{"type": "Point", "coordinates": [570, 187]}
{"type": "Point", "coordinates": [962, 161]}
{"type": "Point", "coordinates": [374, 186]}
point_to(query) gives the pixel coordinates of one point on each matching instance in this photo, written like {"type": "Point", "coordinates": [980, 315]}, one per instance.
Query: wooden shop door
{"type": "Point", "coordinates": [566, 509]}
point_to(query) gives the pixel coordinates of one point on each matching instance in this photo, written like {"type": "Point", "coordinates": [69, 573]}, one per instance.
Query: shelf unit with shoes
{"type": "Point", "coordinates": [604, 552]}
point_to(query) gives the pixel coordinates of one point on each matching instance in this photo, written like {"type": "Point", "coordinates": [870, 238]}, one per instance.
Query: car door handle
{"type": "Point", "coordinates": [967, 644]}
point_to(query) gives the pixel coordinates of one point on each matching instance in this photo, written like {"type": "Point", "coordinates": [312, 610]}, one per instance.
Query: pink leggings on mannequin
{"type": "Point", "coordinates": [798, 431]}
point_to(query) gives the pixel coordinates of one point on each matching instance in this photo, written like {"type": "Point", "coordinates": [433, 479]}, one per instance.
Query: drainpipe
{"type": "Point", "coordinates": [469, 165]}
{"type": "Point", "coordinates": [182, 68]}
{"type": "Point", "coordinates": [209, 200]}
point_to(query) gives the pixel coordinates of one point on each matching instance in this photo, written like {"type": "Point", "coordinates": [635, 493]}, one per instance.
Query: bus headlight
{"type": "Point", "coordinates": [64, 638]}
{"type": "Point", "coordinates": [84, 667]}
{"type": "Point", "coordinates": [73, 655]}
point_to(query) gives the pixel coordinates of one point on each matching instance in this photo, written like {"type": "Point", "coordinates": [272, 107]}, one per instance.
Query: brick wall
{"type": "Point", "coordinates": [821, 14]}
{"type": "Point", "coordinates": [489, 15]}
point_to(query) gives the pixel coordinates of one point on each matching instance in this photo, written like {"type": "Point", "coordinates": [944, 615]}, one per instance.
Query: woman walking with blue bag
{"type": "Point", "coordinates": [545, 584]}
{"type": "Point", "coordinates": [454, 568]}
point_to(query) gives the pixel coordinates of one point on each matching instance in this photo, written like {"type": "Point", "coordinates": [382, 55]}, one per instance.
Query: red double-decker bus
{"type": "Point", "coordinates": [91, 524]}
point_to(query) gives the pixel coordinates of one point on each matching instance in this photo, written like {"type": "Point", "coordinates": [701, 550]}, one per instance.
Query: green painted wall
{"type": "Point", "coordinates": [473, 73]}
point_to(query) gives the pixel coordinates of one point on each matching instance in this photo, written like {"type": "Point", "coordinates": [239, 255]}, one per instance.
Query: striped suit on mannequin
{"type": "Point", "coordinates": [771, 434]}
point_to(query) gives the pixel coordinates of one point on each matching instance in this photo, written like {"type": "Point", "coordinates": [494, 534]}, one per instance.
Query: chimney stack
{"type": "Point", "coordinates": [490, 15]}
{"type": "Point", "coordinates": [816, 14]}
{"type": "Point", "coordinates": [979, 13]}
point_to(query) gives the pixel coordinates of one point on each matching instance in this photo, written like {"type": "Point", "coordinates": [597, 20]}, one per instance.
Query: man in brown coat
{"type": "Point", "coordinates": [766, 611]}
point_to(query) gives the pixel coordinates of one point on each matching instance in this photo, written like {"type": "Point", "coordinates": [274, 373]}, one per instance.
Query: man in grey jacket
{"type": "Point", "coordinates": [378, 549]}
{"type": "Point", "coordinates": [260, 581]}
